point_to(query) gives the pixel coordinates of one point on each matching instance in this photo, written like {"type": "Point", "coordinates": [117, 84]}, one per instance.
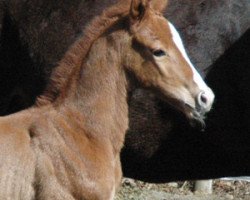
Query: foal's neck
{"type": "Point", "coordinates": [99, 93]}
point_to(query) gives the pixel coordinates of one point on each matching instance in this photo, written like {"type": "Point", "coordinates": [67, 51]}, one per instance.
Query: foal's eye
{"type": "Point", "coordinates": [159, 53]}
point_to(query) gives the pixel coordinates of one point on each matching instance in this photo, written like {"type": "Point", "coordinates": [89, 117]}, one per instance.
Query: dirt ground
{"type": "Point", "coordinates": [222, 190]}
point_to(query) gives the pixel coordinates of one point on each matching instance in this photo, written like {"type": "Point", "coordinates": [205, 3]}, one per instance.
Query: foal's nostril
{"type": "Point", "coordinates": [202, 99]}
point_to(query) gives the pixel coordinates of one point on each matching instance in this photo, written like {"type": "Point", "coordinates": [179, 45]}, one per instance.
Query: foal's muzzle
{"type": "Point", "coordinates": [203, 104]}
{"type": "Point", "coordinates": [196, 117]}
{"type": "Point", "coordinates": [204, 101]}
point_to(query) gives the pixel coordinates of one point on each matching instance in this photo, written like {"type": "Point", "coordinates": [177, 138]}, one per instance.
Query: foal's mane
{"type": "Point", "coordinates": [73, 59]}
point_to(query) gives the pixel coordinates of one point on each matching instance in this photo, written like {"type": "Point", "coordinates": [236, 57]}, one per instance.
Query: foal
{"type": "Point", "coordinates": [68, 146]}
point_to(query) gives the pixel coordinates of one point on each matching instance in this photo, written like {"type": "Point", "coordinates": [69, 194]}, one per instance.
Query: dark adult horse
{"type": "Point", "coordinates": [34, 36]}
{"type": "Point", "coordinates": [222, 150]}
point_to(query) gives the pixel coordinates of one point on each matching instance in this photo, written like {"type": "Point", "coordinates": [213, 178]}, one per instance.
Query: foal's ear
{"type": "Point", "coordinates": [158, 5]}
{"type": "Point", "coordinates": [138, 8]}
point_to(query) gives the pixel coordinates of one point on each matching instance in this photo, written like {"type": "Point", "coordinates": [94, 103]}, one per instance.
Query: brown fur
{"type": "Point", "coordinates": [46, 28]}
{"type": "Point", "coordinates": [73, 58]}
{"type": "Point", "coordinates": [68, 146]}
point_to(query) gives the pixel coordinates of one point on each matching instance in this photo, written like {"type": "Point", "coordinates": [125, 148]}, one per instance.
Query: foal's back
{"type": "Point", "coordinates": [42, 158]}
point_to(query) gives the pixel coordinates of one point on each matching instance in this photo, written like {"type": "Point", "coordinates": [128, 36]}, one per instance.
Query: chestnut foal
{"type": "Point", "coordinates": [68, 145]}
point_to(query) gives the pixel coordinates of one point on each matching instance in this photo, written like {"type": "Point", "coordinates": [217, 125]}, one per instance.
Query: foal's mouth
{"type": "Point", "coordinates": [196, 116]}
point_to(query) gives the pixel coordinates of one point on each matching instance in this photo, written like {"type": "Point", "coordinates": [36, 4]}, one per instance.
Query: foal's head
{"type": "Point", "coordinates": [158, 60]}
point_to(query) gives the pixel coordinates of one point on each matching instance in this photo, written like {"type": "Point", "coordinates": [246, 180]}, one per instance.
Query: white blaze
{"type": "Point", "coordinates": [196, 76]}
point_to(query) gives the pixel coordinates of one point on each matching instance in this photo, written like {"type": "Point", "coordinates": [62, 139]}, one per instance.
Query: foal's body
{"type": "Point", "coordinates": [62, 142]}
{"type": "Point", "coordinates": [68, 146]}
{"type": "Point", "coordinates": [50, 155]}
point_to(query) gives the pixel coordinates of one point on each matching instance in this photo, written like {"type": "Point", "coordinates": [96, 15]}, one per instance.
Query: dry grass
{"type": "Point", "coordinates": [222, 190]}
